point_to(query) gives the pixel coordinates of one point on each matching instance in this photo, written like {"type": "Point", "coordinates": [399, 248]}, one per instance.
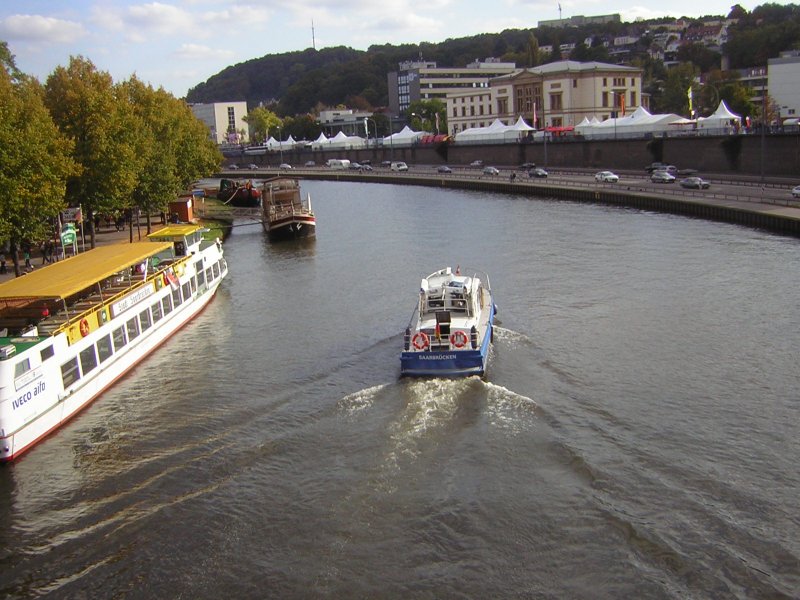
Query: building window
{"type": "Point", "coordinates": [555, 102]}
{"type": "Point", "coordinates": [604, 99]}
{"type": "Point", "coordinates": [574, 83]}
{"type": "Point", "coordinates": [633, 98]}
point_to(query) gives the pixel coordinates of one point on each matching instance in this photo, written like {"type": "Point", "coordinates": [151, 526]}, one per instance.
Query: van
{"type": "Point", "coordinates": [337, 163]}
{"type": "Point", "coordinates": [399, 166]}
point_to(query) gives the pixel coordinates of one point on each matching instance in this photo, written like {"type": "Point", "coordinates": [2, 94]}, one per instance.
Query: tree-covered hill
{"type": "Point", "coordinates": [298, 82]}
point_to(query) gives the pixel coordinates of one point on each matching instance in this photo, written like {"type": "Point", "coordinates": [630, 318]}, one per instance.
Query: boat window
{"type": "Point", "coordinates": [193, 284]}
{"type": "Point", "coordinates": [119, 338]}
{"type": "Point", "coordinates": [156, 310]}
{"type": "Point", "coordinates": [176, 297]}
{"type": "Point", "coordinates": [47, 352]}
{"type": "Point", "coordinates": [187, 289]}
{"type": "Point", "coordinates": [180, 249]}
{"type": "Point", "coordinates": [132, 327]}
{"type": "Point", "coordinates": [22, 367]}
{"type": "Point", "coordinates": [104, 349]}
{"type": "Point", "coordinates": [216, 270]}
{"type": "Point", "coordinates": [209, 275]}
{"type": "Point", "coordinates": [166, 305]}
{"type": "Point", "coordinates": [88, 359]}
{"type": "Point", "coordinates": [144, 318]}
{"type": "Point", "coordinates": [201, 277]}
{"type": "Point", "coordinates": [70, 372]}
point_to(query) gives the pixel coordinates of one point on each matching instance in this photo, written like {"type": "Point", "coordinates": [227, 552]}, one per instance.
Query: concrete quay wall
{"type": "Point", "coordinates": [783, 219]}
{"type": "Point", "coordinates": [775, 155]}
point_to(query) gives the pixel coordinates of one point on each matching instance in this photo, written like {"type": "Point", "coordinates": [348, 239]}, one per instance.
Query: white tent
{"type": "Point", "coordinates": [341, 141]}
{"type": "Point", "coordinates": [494, 132]}
{"type": "Point", "coordinates": [638, 123]}
{"type": "Point", "coordinates": [404, 137]}
{"type": "Point", "coordinates": [722, 119]}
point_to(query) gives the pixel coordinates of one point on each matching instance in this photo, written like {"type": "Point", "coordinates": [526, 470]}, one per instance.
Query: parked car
{"type": "Point", "coordinates": [527, 166]}
{"type": "Point", "coordinates": [695, 183]}
{"type": "Point", "coordinates": [655, 166]}
{"type": "Point", "coordinates": [491, 171]}
{"type": "Point", "coordinates": [671, 169]}
{"type": "Point", "coordinates": [662, 177]}
{"type": "Point", "coordinates": [252, 167]}
{"type": "Point", "coordinates": [310, 163]}
{"type": "Point", "coordinates": [537, 172]}
{"type": "Point", "coordinates": [606, 177]}
{"type": "Point", "coordinates": [476, 163]}
{"type": "Point", "coordinates": [796, 191]}
{"type": "Point", "coordinates": [444, 169]}
{"type": "Point", "coordinates": [355, 166]}
{"type": "Point", "coordinates": [386, 163]}
{"type": "Point", "coordinates": [233, 167]}
{"type": "Point", "coordinates": [366, 167]}
{"type": "Point", "coordinates": [398, 166]}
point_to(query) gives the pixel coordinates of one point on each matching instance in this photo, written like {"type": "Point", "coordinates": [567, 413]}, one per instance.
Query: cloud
{"type": "Point", "coordinates": [198, 52]}
{"type": "Point", "coordinates": [36, 28]}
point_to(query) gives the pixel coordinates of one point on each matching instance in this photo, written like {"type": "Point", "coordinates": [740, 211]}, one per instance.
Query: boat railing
{"type": "Point", "coordinates": [99, 299]}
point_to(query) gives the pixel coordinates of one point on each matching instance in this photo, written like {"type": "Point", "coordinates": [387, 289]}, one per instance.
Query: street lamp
{"type": "Point", "coordinates": [280, 142]}
{"type": "Point", "coordinates": [375, 126]}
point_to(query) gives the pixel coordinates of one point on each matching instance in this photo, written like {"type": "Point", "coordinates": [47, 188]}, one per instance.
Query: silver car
{"type": "Point", "coordinates": [606, 177]}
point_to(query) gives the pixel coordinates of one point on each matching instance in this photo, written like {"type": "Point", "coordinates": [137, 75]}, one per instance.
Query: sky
{"type": "Point", "coordinates": [177, 44]}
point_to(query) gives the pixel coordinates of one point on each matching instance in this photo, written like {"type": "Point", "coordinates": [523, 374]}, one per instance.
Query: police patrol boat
{"type": "Point", "coordinates": [451, 327]}
{"type": "Point", "coordinates": [70, 330]}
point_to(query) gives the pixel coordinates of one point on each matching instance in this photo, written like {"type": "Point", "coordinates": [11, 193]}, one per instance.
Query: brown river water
{"type": "Point", "coordinates": [636, 434]}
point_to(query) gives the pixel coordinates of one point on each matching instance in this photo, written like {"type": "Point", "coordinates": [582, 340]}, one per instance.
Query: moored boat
{"type": "Point", "coordinates": [285, 215]}
{"type": "Point", "coordinates": [69, 330]}
{"type": "Point", "coordinates": [242, 194]}
{"type": "Point", "coordinates": [451, 327]}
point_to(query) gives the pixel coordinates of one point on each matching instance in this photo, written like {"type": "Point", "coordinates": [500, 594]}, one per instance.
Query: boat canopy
{"type": "Point", "coordinates": [72, 275]}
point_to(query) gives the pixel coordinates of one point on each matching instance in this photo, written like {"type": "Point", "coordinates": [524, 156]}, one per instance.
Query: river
{"type": "Point", "coordinates": [636, 434]}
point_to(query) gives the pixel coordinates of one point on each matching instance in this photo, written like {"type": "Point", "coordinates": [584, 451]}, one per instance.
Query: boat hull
{"type": "Point", "coordinates": [291, 229]}
{"type": "Point", "coordinates": [458, 363]}
{"type": "Point", "coordinates": [14, 445]}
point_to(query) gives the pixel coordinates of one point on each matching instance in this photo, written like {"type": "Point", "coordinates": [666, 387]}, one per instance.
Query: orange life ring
{"type": "Point", "coordinates": [458, 339]}
{"type": "Point", "coordinates": [420, 340]}
{"type": "Point", "coordinates": [84, 327]}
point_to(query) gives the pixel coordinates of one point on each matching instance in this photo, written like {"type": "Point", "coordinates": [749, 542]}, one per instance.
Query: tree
{"type": "Point", "coordinates": [422, 115]}
{"type": "Point", "coordinates": [261, 120]}
{"type": "Point", "coordinates": [35, 162]}
{"type": "Point", "coordinates": [87, 107]}
{"type": "Point", "coordinates": [676, 87]}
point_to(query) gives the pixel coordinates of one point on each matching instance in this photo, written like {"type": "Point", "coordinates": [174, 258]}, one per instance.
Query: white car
{"type": "Point", "coordinates": [796, 191]}
{"type": "Point", "coordinates": [285, 166]}
{"type": "Point", "coordinates": [606, 177]}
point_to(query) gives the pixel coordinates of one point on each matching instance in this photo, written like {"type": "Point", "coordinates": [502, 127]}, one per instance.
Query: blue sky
{"type": "Point", "coordinates": [176, 44]}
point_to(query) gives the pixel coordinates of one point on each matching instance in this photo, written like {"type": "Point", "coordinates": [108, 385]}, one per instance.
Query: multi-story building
{"type": "Point", "coordinates": [347, 120]}
{"type": "Point", "coordinates": [225, 121]}
{"type": "Point", "coordinates": [558, 94]}
{"type": "Point", "coordinates": [580, 21]}
{"type": "Point", "coordinates": [425, 81]}
{"type": "Point", "coordinates": [783, 74]}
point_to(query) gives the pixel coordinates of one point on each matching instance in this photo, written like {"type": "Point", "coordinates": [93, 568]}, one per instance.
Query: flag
{"type": "Point", "coordinates": [173, 280]}
{"type": "Point", "coordinates": [438, 332]}
{"type": "Point", "coordinates": [622, 103]}
{"type": "Point", "coordinates": [366, 128]}
{"type": "Point", "coordinates": [689, 95]}
{"type": "Point", "coordinates": [437, 123]}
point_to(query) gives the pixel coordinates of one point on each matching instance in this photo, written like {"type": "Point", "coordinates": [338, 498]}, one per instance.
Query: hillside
{"type": "Point", "coordinates": [298, 82]}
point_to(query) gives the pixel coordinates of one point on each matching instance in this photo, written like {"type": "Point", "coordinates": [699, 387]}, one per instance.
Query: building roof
{"type": "Point", "coordinates": [563, 66]}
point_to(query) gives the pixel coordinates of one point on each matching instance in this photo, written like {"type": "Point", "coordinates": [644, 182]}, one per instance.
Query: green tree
{"type": "Point", "coordinates": [35, 162]}
{"type": "Point", "coordinates": [87, 107]}
{"type": "Point", "coordinates": [261, 120]}
{"type": "Point", "coordinates": [421, 114]}
{"type": "Point", "coordinates": [675, 97]}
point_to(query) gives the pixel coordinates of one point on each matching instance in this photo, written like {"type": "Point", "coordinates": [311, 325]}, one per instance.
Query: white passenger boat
{"type": "Point", "coordinates": [452, 326]}
{"type": "Point", "coordinates": [71, 329]}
